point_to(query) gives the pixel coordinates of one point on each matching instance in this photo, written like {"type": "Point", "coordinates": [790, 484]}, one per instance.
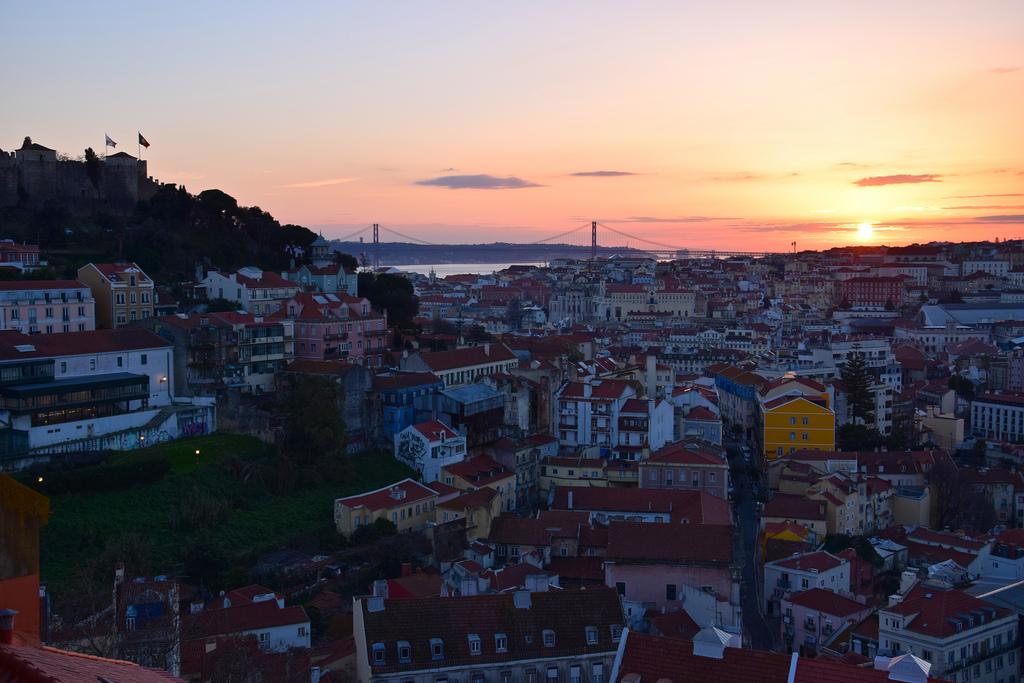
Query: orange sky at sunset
{"type": "Point", "coordinates": [728, 124]}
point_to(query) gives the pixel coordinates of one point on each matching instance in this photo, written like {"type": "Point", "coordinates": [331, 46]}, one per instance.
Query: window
{"type": "Point", "coordinates": [804, 436]}
{"type": "Point", "coordinates": [378, 653]}
{"type": "Point", "coordinates": [63, 367]}
{"type": "Point", "coordinates": [552, 673]}
{"type": "Point", "coordinates": [120, 298]}
{"type": "Point", "coordinates": [575, 674]}
{"type": "Point", "coordinates": [549, 638]}
{"type": "Point", "coordinates": [302, 632]}
{"type": "Point", "coordinates": [144, 359]}
{"type": "Point", "coordinates": [474, 644]}
{"type": "Point", "coordinates": [616, 633]}
{"type": "Point", "coordinates": [792, 420]}
{"type": "Point", "coordinates": [591, 635]}
{"type": "Point", "coordinates": [804, 420]}
{"type": "Point", "coordinates": [500, 642]}
{"type": "Point", "coordinates": [92, 363]}
{"type": "Point", "coordinates": [711, 477]}
{"type": "Point", "coordinates": [792, 436]}
{"type": "Point", "coordinates": [132, 299]}
{"type": "Point", "coordinates": [120, 361]}
{"type": "Point", "coordinates": [265, 636]}
{"type": "Point", "coordinates": [670, 591]}
{"type": "Point", "coordinates": [597, 674]}
{"type": "Point", "coordinates": [436, 648]}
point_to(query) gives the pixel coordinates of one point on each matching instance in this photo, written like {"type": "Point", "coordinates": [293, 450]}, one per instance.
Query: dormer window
{"type": "Point", "coordinates": [378, 653]}
{"type": "Point", "coordinates": [591, 635]}
{"type": "Point", "coordinates": [474, 644]}
{"type": "Point", "coordinates": [616, 633]}
{"type": "Point", "coordinates": [436, 648]}
{"type": "Point", "coordinates": [500, 642]}
{"type": "Point", "coordinates": [549, 638]}
{"type": "Point", "coordinates": [404, 652]}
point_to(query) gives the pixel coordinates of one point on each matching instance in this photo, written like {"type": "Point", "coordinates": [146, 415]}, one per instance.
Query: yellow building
{"type": "Point", "coordinates": [123, 293]}
{"type": "Point", "coordinates": [792, 423]}
{"type": "Point", "coordinates": [571, 472]}
{"type": "Point", "coordinates": [478, 507]}
{"type": "Point", "coordinates": [408, 504]}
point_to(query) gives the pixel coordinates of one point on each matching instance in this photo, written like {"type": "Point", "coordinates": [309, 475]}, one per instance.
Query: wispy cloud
{"type": "Point", "coordinates": [984, 196]}
{"type": "Point", "coordinates": [989, 207]}
{"type": "Point", "coordinates": [601, 174]}
{"type": "Point", "coordinates": [670, 219]}
{"type": "Point", "coordinates": [1019, 218]}
{"type": "Point", "coordinates": [747, 176]}
{"type": "Point", "coordinates": [321, 183]}
{"type": "Point", "coordinates": [480, 181]}
{"type": "Point", "coordinates": [898, 179]}
{"type": "Point", "coordinates": [1003, 70]}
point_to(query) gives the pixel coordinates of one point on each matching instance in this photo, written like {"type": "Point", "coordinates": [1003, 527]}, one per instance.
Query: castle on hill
{"type": "Point", "coordinates": [35, 174]}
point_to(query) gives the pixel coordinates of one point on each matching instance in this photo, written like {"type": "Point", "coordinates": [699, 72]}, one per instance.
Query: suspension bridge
{"type": "Point", "coordinates": [574, 237]}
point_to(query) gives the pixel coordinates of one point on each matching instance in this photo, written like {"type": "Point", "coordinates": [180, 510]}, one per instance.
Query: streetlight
{"type": "Point", "coordinates": [197, 452]}
{"type": "Point", "coordinates": [40, 480]}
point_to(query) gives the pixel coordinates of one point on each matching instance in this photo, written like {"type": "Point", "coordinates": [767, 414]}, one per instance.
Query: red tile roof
{"type": "Point", "coordinates": [245, 617]}
{"type": "Point", "coordinates": [935, 609]}
{"type": "Point", "coordinates": [452, 619]}
{"type": "Point", "coordinates": [793, 506]}
{"type": "Point", "coordinates": [819, 561]}
{"type": "Point", "coordinates": [434, 430]}
{"type": "Point", "coordinates": [405, 380]}
{"type": "Point", "coordinates": [116, 271]}
{"type": "Point", "coordinates": [689, 452]}
{"type": "Point", "coordinates": [695, 506]}
{"type": "Point", "coordinates": [467, 357]}
{"type": "Point", "coordinates": [828, 602]}
{"type": "Point", "coordinates": [77, 343]}
{"type": "Point", "coordinates": [604, 389]}
{"type": "Point", "coordinates": [670, 543]}
{"type": "Point", "coordinates": [30, 285]}
{"type": "Point", "coordinates": [383, 498]}
{"type": "Point", "coordinates": [702, 413]}
{"type": "Point", "coordinates": [27, 664]}
{"type": "Point", "coordinates": [480, 470]}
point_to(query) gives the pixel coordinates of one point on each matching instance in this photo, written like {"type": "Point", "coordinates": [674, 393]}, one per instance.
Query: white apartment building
{"type": "Point", "coordinates": [819, 569]}
{"type": "Point", "coordinates": [998, 416]}
{"type": "Point", "coordinates": [259, 292]}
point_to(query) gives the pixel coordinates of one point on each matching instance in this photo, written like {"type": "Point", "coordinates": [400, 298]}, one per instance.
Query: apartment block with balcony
{"type": "Point", "coordinates": [819, 569]}
{"type": "Point", "coordinates": [46, 306]}
{"type": "Point", "coordinates": [589, 411]}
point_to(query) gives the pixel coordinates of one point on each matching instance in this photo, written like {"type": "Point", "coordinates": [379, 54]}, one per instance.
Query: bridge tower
{"type": "Point", "coordinates": [376, 247]}
{"type": "Point", "coordinates": [593, 240]}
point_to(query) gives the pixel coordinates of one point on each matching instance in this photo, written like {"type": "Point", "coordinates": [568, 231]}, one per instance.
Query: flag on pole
{"type": "Point", "coordinates": [110, 143]}
{"type": "Point", "coordinates": [143, 141]}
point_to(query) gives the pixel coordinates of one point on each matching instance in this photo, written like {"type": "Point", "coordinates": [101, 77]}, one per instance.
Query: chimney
{"type": "Point", "coordinates": [569, 499]}
{"type": "Point", "coordinates": [407, 569]}
{"type": "Point", "coordinates": [380, 588]}
{"type": "Point", "coordinates": [119, 573]}
{"type": "Point", "coordinates": [314, 674]}
{"type": "Point", "coordinates": [375, 604]}
{"type": "Point", "coordinates": [711, 642]}
{"type": "Point", "coordinates": [905, 668]}
{"type": "Point", "coordinates": [537, 583]}
{"type": "Point", "coordinates": [7, 626]}
{"type": "Point", "coordinates": [521, 599]}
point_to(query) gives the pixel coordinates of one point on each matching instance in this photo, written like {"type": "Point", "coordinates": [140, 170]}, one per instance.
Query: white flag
{"type": "Point", "coordinates": [110, 143]}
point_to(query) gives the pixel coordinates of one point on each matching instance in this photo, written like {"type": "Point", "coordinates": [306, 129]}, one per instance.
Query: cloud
{"type": "Point", "coordinates": [898, 179]}
{"type": "Point", "coordinates": [991, 207]}
{"type": "Point", "coordinates": [321, 183]}
{"type": "Point", "coordinates": [670, 219]}
{"type": "Point", "coordinates": [601, 174]}
{"type": "Point", "coordinates": [449, 169]}
{"type": "Point", "coordinates": [480, 181]}
{"type": "Point", "coordinates": [1003, 70]}
{"type": "Point", "coordinates": [984, 196]}
{"type": "Point", "coordinates": [746, 176]}
{"type": "Point", "coordinates": [1019, 218]}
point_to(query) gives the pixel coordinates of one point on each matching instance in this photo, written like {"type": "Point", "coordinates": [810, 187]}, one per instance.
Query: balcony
{"type": "Point", "coordinates": [810, 626]}
{"type": "Point", "coordinates": [337, 336]}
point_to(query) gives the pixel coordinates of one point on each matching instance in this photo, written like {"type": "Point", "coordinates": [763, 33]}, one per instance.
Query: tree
{"type": "Point", "coordinates": [958, 502]}
{"type": "Point", "coordinates": [313, 445]}
{"type": "Point", "coordinates": [860, 400]}
{"type": "Point", "coordinates": [962, 386]}
{"type": "Point", "coordinates": [858, 437]}
{"type": "Point", "coordinates": [369, 533]}
{"type": "Point", "coordinates": [221, 306]}
{"type": "Point", "coordinates": [92, 167]}
{"type": "Point", "coordinates": [392, 293]}
{"type": "Point", "coordinates": [347, 260]}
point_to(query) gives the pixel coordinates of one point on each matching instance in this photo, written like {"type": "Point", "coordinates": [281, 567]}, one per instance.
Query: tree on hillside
{"type": "Point", "coordinates": [347, 260]}
{"type": "Point", "coordinates": [860, 401]}
{"type": "Point", "coordinates": [313, 444]}
{"type": "Point", "coordinates": [92, 167]}
{"type": "Point", "coordinates": [958, 503]}
{"type": "Point", "coordinates": [392, 293]}
{"type": "Point", "coordinates": [858, 437]}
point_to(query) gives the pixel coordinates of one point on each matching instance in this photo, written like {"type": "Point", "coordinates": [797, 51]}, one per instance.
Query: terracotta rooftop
{"type": "Point", "coordinates": [400, 493]}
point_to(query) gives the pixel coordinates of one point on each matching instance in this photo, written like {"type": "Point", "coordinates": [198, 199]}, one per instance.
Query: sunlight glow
{"type": "Point", "coordinates": [865, 232]}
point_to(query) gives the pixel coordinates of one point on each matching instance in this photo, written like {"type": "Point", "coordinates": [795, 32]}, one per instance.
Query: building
{"type": "Point", "coordinates": [229, 350]}
{"type": "Point", "coordinates": [400, 400]}
{"type": "Point", "coordinates": [482, 471]}
{"type": "Point", "coordinates": [106, 389]}
{"type": "Point", "coordinates": [23, 513]}
{"type": "Point", "coordinates": [123, 293]}
{"type": "Point", "coordinates": [147, 621]}
{"type": "Point", "coordinates": [873, 292]}
{"type": "Point", "coordinates": [336, 327]}
{"type": "Point", "coordinates": [590, 412]}
{"type": "Point", "coordinates": [257, 291]}
{"type": "Point", "coordinates": [519, 637]}
{"type": "Point", "coordinates": [690, 464]}
{"type": "Point", "coordinates": [676, 566]}
{"type": "Point", "coordinates": [407, 503]}
{"type": "Point", "coordinates": [963, 637]}
{"type": "Point", "coordinates": [643, 426]}
{"type": "Point", "coordinates": [791, 423]}
{"type": "Point", "coordinates": [607, 504]}
{"type": "Point", "coordinates": [812, 619]}
{"type": "Point", "coordinates": [428, 446]}
{"type": "Point", "coordinates": [329, 278]}
{"type": "Point", "coordinates": [46, 306]}
{"type": "Point", "coordinates": [571, 471]}
{"type": "Point", "coordinates": [524, 457]}
{"type": "Point", "coordinates": [999, 417]}
{"type": "Point", "coordinates": [714, 656]}
{"type": "Point", "coordinates": [465, 365]}
{"type": "Point", "coordinates": [819, 569]}
{"type": "Point", "coordinates": [21, 256]}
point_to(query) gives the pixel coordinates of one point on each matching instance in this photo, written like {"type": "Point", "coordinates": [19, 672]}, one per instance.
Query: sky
{"type": "Point", "coordinates": [728, 124]}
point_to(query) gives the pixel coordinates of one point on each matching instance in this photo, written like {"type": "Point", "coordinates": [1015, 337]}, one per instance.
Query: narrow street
{"type": "Point", "coordinates": [756, 628]}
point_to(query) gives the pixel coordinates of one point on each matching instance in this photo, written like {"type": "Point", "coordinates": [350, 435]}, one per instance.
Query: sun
{"type": "Point", "coordinates": [865, 232]}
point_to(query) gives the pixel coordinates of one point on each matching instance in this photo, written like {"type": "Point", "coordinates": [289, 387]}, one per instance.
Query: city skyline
{"type": "Point", "coordinates": [737, 126]}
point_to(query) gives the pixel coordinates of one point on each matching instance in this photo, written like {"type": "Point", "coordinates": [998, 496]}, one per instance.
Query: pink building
{"type": "Point", "coordinates": [672, 566]}
{"type": "Point", "coordinates": [336, 326]}
{"type": "Point", "coordinates": [692, 464]}
{"type": "Point", "coordinates": [812, 618]}
{"type": "Point", "coordinates": [19, 255]}
{"type": "Point", "coordinates": [46, 306]}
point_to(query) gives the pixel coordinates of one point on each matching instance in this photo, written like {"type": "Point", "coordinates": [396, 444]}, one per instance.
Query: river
{"type": "Point", "coordinates": [445, 269]}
